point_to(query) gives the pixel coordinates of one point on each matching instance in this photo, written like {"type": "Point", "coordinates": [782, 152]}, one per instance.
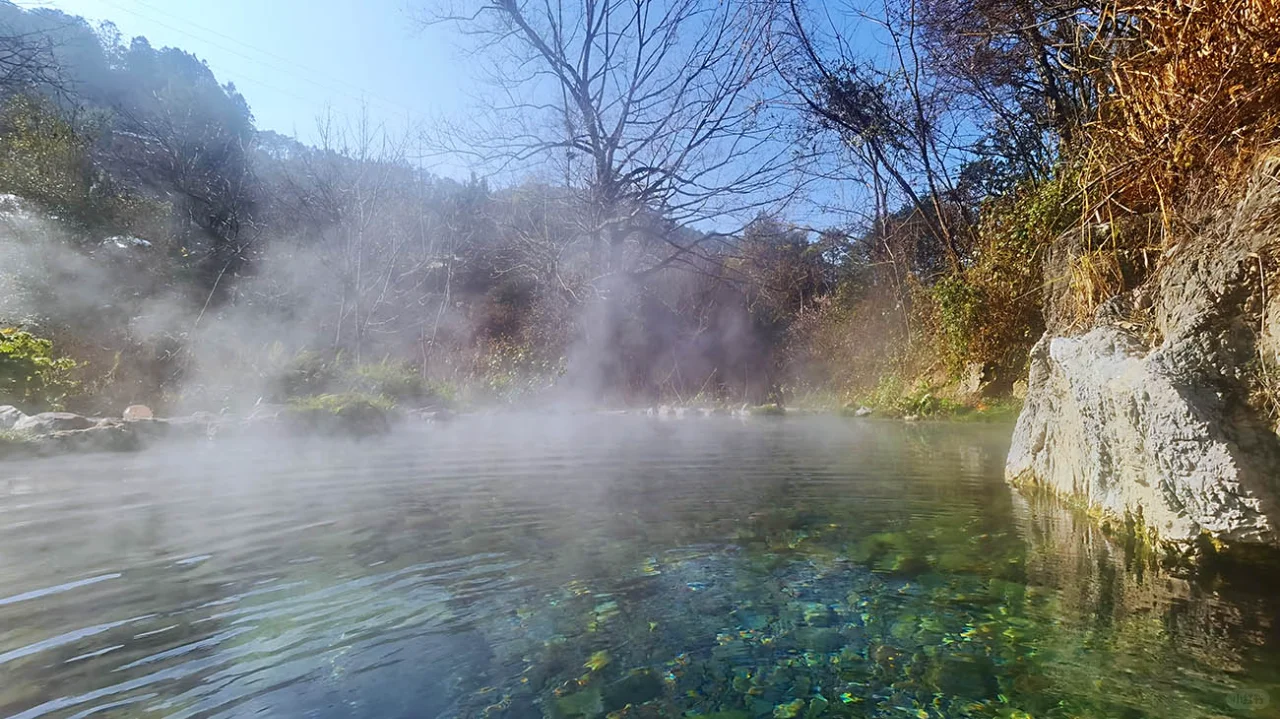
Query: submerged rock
{"type": "Point", "coordinates": [586, 703]}
{"type": "Point", "coordinates": [637, 687]}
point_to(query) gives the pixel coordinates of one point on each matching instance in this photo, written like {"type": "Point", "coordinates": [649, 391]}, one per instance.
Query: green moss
{"type": "Point", "coordinates": [586, 703]}
{"type": "Point", "coordinates": [15, 443]}
{"type": "Point", "coordinates": [31, 372]}
{"type": "Point", "coordinates": [895, 398]}
{"type": "Point", "coordinates": [335, 403]}
{"type": "Point", "coordinates": [769, 410]}
{"type": "Point", "coordinates": [349, 414]}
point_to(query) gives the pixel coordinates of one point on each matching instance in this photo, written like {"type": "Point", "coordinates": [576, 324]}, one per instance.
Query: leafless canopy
{"type": "Point", "coordinates": [863, 78]}
{"type": "Point", "coordinates": [27, 60]}
{"type": "Point", "coordinates": [657, 113]}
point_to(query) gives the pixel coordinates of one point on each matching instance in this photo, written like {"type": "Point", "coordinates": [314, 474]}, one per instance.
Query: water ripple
{"type": "Point", "coordinates": [399, 578]}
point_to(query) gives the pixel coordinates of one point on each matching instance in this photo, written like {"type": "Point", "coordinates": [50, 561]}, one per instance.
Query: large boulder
{"type": "Point", "coordinates": [47, 422]}
{"type": "Point", "coordinates": [9, 416]}
{"type": "Point", "coordinates": [1160, 408]}
{"type": "Point", "coordinates": [1107, 422]}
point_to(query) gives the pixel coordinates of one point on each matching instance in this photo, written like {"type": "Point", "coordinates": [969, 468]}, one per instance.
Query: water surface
{"type": "Point", "coordinates": [600, 566]}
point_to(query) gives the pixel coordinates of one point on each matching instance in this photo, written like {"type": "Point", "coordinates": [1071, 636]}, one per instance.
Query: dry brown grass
{"type": "Point", "coordinates": [1189, 103]}
{"type": "Point", "coordinates": [1192, 93]}
{"type": "Point", "coordinates": [1094, 277]}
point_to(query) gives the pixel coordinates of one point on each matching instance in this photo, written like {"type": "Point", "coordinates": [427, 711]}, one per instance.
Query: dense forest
{"type": "Point", "coordinates": [650, 213]}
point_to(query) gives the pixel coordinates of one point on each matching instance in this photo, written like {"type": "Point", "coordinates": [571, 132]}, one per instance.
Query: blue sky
{"type": "Point", "coordinates": [293, 59]}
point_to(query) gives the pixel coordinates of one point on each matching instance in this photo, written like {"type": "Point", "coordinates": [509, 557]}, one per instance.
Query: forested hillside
{"type": "Point", "coordinates": [647, 221]}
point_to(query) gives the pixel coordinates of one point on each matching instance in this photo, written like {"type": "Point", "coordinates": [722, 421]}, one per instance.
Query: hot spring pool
{"type": "Point", "coordinates": [597, 566]}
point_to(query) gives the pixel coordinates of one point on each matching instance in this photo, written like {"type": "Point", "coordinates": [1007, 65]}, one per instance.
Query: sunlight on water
{"type": "Point", "coordinates": [600, 566]}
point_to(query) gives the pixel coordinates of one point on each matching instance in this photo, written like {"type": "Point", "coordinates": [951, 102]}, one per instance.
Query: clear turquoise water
{"type": "Point", "coordinates": [601, 566]}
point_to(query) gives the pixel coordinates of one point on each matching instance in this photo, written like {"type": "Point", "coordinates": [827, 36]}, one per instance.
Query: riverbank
{"type": "Point", "coordinates": [52, 433]}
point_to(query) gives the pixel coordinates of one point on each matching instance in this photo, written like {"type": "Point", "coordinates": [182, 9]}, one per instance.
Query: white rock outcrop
{"type": "Point", "coordinates": [1164, 406]}
{"type": "Point", "coordinates": [9, 416]}
{"type": "Point", "coordinates": [1108, 423]}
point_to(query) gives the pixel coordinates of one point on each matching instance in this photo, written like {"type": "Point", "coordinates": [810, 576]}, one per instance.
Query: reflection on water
{"type": "Point", "coordinates": [592, 567]}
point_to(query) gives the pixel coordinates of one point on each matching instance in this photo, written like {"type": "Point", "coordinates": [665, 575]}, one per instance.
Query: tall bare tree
{"type": "Point", "coordinates": [658, 113]}
{"type": "Point", "coordinates": [27, 61]}
{"type": "Point", "coordinates": [863, 78]}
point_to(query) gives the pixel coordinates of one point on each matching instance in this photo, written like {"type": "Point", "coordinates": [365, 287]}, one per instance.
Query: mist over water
{"type": "Point", "coordinates": [531, 566]}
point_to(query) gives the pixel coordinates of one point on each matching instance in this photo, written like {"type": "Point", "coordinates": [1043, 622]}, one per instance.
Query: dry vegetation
{"type": "Point", "coordinates": [1193, 92]}
{"type": "Point", "coordinates": [1191, 97]}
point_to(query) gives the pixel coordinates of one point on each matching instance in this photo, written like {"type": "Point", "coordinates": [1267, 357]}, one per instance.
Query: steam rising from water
{"type": "Point", "coordinates": [443, 571]}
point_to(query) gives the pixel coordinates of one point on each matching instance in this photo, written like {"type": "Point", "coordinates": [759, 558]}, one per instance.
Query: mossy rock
{"type": "Point", "coordinates": [339, 415]}
{"type": "Point", "coordinates": [637, 687]}
{"type": "Point", "coordinates": [586, 703]}
{"type": "Point", "coordinates": [768, 410]}
{"type": "Point", "coordinates": [891, 552]}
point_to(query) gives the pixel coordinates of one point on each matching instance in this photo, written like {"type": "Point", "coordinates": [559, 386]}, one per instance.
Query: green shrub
{"type": "Point", "coordinates": [511, 372]}
{"type": "Point", "coordinates": [312, 373]}
{"type": "Point", "coordinates": [959, 313]}
{"type": "Point", "coordinates": [402, 382]}
{"type": "Point", "coordinates": [30, 374]}
{"type": "Point", "coordinates": [335, 403]}
{"type": "Point", "coordinates": [309, 373]}
{"type": "Point", "coordinates": [1016, 233]}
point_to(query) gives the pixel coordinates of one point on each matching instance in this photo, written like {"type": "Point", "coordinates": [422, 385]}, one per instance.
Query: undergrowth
{"type": "Point", "coordinates": [335, 403]}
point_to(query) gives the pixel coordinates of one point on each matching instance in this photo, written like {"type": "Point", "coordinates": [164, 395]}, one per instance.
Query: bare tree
{"type": "Point", "coordinates": [896, 122]}
{"type": "Point", "coordinates": [27, 61]}
{"type": "Point", "coordinates": [373, 238]}
{"type": "Point", "coordinates": [1026, 69]}
{"type": "Point", "coordinates": [658, 113]}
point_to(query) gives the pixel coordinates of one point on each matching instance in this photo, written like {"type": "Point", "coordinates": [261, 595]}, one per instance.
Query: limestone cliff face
{"type": "Point", "coordinates": [1171, 429]}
